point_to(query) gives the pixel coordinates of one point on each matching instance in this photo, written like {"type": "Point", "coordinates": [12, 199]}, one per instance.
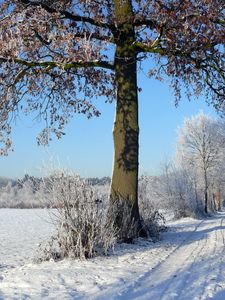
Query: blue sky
{"type": "Point", "coordinates": [87, 147]}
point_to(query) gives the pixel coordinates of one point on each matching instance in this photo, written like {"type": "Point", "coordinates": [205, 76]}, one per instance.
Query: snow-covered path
{"type": "Point", "coordinates": [188, 264]}
{"type": "Point", "coordinates": [193, 270]}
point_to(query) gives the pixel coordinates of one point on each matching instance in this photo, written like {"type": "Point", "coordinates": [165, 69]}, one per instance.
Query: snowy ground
{"type": "Point", "coordinates": [189, 263]}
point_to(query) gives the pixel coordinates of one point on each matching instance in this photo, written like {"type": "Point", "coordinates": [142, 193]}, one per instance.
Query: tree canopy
{"type": "Point", "coordinates": [59, 55]}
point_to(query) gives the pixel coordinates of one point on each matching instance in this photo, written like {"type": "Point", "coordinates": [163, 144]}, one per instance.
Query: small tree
{"type": "Point", "coordinates": [201, 142]}
{"type": "Point", "coordinates": [58, 55]}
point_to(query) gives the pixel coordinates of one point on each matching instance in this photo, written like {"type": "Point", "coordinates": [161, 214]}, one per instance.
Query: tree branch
{"type": "Point", "coordinates": [145, 22]}
{"type": "Point", "coordinates": [67, 15]}
{"type": "Point", "coordinates": [65, 66]}
{"type": "Point", "coordinates": [141, 47]}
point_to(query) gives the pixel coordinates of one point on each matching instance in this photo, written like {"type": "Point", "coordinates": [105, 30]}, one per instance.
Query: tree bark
{"type": "Point", "coordinates": [206, 201]}
{"type": "Point", "coordinates": [124, 185]}
{"type": "Point", "coordinates": [206, 190]}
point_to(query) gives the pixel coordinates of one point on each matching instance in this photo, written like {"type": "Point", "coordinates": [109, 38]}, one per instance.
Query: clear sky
{"type": "Point", "coordinates": [87, 147]}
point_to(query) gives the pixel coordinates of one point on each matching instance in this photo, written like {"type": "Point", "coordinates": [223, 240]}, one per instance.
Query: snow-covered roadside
{"type": "Point", "coordinates": [186, 264]}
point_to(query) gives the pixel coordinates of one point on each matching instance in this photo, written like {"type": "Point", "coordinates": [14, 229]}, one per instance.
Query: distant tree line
{"type": "Point", "coordinates": [31, 191]}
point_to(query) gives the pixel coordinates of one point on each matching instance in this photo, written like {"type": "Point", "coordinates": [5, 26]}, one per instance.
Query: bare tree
{"type": "Point", "coordinates": [201, 142]}
{"type": "Point", "coordinates": [56, 56]}
{"type": "Point", "coordinates": [177, 190]}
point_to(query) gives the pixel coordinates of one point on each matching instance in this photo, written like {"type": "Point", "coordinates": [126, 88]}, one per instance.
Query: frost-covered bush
{"type": "Point", "coordinates": [153, 218]}
{"type": "Point", "coordinates": [171, 195]}
{"type": "Point", "coordinates": [175, 193]}
{"type": "Point", "coordinates": [85, 223]}
{"type": "Point", "coordinates": [80, 216]}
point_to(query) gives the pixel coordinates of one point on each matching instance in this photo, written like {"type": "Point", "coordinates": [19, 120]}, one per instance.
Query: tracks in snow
{"type": "Point", "coordinates": [192, 271]}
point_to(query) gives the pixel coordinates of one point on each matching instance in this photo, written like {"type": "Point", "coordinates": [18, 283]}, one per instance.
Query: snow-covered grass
{"type": "Point", "coordinates": [21, 230]}
{"type": "Point", "coordinates": [188, 263]}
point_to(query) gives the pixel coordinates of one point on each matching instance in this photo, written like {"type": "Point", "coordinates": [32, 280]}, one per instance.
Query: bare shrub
{"type": "Point", "coordinates": [85, 224]}
{"type": "Point", "coordinates": [151, 223]}
{"type": "Point", "coordinates": [120, 218]}
{"type": "Point", "coordinates": [80, 219]}
{"type": "Point", "coordinates": [153, 219]}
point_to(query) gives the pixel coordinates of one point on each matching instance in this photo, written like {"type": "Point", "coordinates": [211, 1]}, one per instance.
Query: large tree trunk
{"type": "Point", "coordinates": [124, 186]}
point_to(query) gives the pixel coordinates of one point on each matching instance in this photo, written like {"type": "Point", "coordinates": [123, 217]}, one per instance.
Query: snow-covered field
{"type": "Point", "coordinates": [189, 263]}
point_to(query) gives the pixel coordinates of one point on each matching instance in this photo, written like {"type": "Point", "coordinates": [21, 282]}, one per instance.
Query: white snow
{"type": "Point", "coordinates": [187, 264]}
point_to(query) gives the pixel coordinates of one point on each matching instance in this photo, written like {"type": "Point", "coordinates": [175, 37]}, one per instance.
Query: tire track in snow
{"type": "Point", "coordinates": [201, 280]}
{"type": "Point", "coordinates": [212, 264]}
{"type": "Point", "coordinates": [126, 294]}
{"type": "Point", "coordinates": [218, 286]}
{"type": "Point", "coordinates": [174, 288]}
{"type": "Point", "coordinates": [218, 264]}
{"type": "Point", "coordinates": [179, 282]}
{"type": "Point", "coordinates": [209, 265]}
{"type": "Point", "coordinates": [194, 279]}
